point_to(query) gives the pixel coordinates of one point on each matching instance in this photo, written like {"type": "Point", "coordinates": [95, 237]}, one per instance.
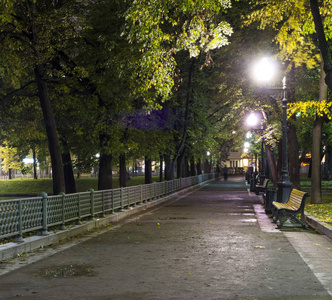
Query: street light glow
{"type": "Point", "coordinates": [264, 70]}
{"type": "Point", "coordinates": [252, 120]}
{"type": "Point", "coordinates": [248, 135]}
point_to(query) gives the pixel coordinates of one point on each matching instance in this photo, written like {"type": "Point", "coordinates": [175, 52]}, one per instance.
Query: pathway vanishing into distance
{"type": "Point", "coordinates": [214, 243]}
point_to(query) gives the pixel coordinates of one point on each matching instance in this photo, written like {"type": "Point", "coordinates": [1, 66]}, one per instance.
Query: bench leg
{"type": "Point", "coordinates": [274, 214]}
{"type": "Point", "coordinates": [280, 220]}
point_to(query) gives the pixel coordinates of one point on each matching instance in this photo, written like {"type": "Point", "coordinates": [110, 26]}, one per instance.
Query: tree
{"type": "Point", "coordinates": [130, 56]}
{"type": "Point", "coordinates": [10, 159]}
{"type": "Point", "coordinates": [35, 32]}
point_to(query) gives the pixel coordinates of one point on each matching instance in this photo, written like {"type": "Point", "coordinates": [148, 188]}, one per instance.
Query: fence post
{"type": "Point", "coordinates": [19, 239]}
{"type": "Point", "coordinates": [92, 203]}
{"type": "Point", "coordinates": [62, 226]}
{"type": "Point", "coordinates": [44, 221]}
{"type": "Point", "coordinates": [103, 204]}
{"type": "Point", "coordinates": [79, 222]}
{"type": "Point", "coordinates": [113, 205]}
{"type": "Point", "coordinates": [141, 202]}
{"type": "Point", "coordinates": [121, 199]}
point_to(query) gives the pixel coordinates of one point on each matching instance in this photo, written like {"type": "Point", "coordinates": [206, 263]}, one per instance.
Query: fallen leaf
{"type": "Point", "coordinates": [260, 247]}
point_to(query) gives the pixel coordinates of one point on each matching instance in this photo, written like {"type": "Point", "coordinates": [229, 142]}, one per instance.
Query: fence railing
{"type": "Point", "coordinates": [20, 216]}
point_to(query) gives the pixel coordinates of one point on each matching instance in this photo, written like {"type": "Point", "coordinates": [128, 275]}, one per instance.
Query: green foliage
{"type": "Point", "coordinates": [10, 158]}
{"type": "Point", "coordinates": [311, 109]}
{"type": "Point", "coordinates": [106, 62]}
{"type": "Point", "coordinates": [293, 25]}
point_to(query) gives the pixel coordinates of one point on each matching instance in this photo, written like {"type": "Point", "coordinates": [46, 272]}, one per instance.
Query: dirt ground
{"type": "Point", "coordinates": [206, 245]}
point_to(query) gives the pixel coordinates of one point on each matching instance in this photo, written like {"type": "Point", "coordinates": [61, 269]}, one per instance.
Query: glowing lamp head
{"type": "Point", "coordinates": [265, 70]}
{"type": "Point", "coordinates": [252, 120]}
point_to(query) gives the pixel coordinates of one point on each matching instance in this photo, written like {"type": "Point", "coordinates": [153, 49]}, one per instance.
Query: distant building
{"type": "Point", "coordinates": [236, 163]}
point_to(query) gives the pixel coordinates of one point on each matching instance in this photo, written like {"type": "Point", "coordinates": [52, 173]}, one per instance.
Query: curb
{"type": "Point", "coordinates": [321, 227]}
{"type": "Point", "coordinates": [11, 250]}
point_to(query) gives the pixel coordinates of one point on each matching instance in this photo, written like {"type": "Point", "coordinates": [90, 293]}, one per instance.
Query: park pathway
{"type": "Point", "coordinates": [214, 243]}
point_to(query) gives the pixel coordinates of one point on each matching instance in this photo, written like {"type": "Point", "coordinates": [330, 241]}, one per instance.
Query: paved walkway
{"type": "Point", "coordinates": [215, 243]}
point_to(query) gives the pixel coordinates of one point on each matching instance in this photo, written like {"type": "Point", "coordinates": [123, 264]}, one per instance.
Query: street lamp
{"type": "Point", "coordinates": [284, 186]}
{"type": "Point", "coordinates": [252, 121]}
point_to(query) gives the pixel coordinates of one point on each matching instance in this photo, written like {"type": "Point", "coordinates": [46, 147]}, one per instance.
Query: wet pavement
{"type": "Point", "coordinates": [214, 243]}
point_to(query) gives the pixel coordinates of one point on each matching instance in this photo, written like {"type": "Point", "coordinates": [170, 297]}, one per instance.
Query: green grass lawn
{"type": "Point", "coordinates": [35, 186]}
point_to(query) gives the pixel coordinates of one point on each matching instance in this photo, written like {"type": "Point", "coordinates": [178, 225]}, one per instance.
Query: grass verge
{"type": "Point", "coordinates": [323, 211]}
{"type": "Point", "coordinates": [35, 186]}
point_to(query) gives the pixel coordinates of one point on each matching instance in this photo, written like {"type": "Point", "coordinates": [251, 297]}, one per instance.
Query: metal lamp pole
{"type": "Point", "coordinates": [252, 122]}
{"type": "Point", "coordinates": [262, 171]}
{"type": "Point", "coordinates": [284, 186]}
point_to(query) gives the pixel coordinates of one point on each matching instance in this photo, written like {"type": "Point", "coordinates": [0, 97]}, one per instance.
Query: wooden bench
{"type": "Point", "coordinates": [291, 209]}
{"type": "Point", "coordinates": [261, 187]}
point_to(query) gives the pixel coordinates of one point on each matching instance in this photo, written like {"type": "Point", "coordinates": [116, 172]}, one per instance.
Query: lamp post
{"type": "Point", "coordinates": [264, 71]}
{"type": "Point", "coordinates": [252, 121]}
{"type": "Point", "coordinates": [284, 186]}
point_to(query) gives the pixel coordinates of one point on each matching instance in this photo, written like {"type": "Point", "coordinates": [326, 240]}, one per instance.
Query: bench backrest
{"type": "Point", "coordinates": [297, 198]}
{"type": "Point", "coordinates": [266, 181]}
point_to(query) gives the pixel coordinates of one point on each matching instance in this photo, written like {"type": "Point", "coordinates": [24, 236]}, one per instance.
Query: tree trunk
{"type": "Point", "coordinates": [327, 164]}
{"type": "Point", "coordinates": [161, 168]}
{"type": "Point", "coordinates": [199, 167]}
{"type": "Point", "coordinates": [206, 166]}
{"type": "Point", "coordinates": [323, 45]}
{"type": "Point", "coordinates": [272, 165]}
{"type": "Point", "coordinates": [45, 103]}
{"type": "Point", "coordinates": [123, 170]}
{"type": "Point", "coordinates": [180, 150]}
{"type": "Point", "coordinates": [35, 176]}
{"type": "Point", "coordinates": [52, 135]}
{"type": "Point", "coordinates": [68, 172]}
{"type": "Point", "coordinates": [192, 167]}
{"type": "Point", "coordinates": [169, 171]}
{"type": "Point", "coordinates": [148, 170]}
{"type": "Point", "coordinates": [186, 166]}
{"type": "Point", "coordinates": [180, 166]}
{"type": "Point", "coordinates": [68, 168]}
{"type": "Point", "coordinates": [105, 171]}
{"type": "Point", "coordinates": [293, 150]}
{"type": "Point", "coordinates": [316, 193]}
